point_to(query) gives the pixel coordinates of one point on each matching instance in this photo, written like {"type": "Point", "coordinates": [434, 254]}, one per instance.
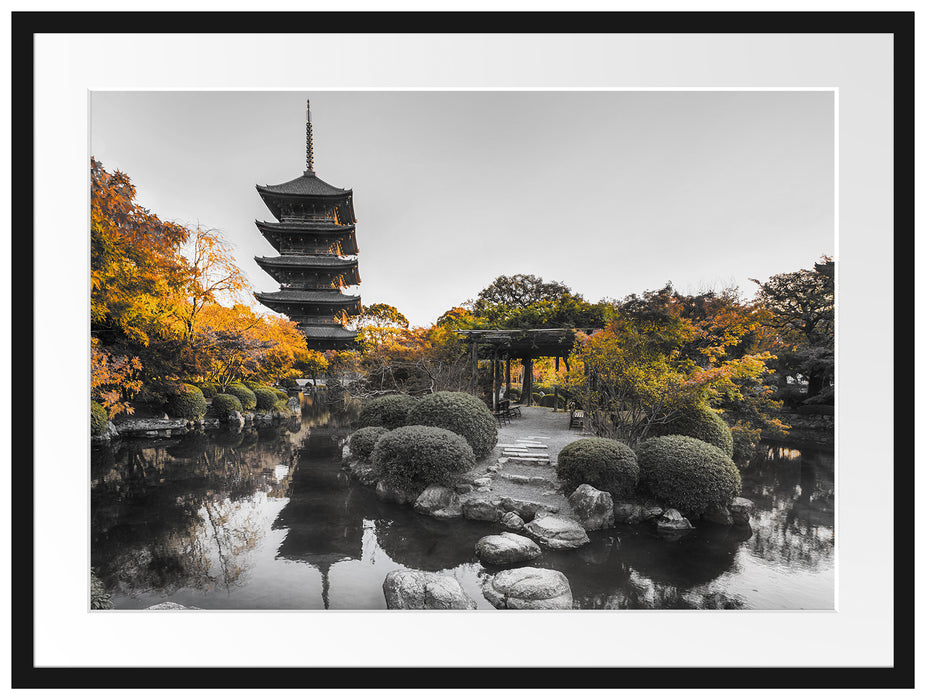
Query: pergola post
{"type": "Point", "coordinates": [475, 378]}
{"type": "Point", "coordinates": [527, 382]}
{"type": "Point", "coordinates": [507, 377]}
{"type": "Point", "coordinates": [495, 381]}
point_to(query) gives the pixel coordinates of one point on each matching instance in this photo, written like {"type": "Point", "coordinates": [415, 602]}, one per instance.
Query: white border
{"type": "Point", "coordinates": [858, 65]}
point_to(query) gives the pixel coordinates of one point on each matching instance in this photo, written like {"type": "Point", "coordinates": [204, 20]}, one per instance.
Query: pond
{"type": "Point", "coordinates": [267, 519]}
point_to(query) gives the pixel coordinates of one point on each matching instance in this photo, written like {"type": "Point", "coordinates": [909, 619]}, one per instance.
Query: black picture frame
{"type": "Point", "coordinates": [25, 27]}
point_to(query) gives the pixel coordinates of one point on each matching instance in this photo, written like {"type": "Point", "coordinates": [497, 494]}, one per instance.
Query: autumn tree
{"type": "Point", "coordinates": [801, 316]}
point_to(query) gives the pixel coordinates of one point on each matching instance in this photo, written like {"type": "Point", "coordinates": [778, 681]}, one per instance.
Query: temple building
{"type": "Point", "coordinates": [314, 236]}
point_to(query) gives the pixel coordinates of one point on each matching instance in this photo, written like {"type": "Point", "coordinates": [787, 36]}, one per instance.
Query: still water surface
{"type": "Point", "coordinates": [266, 519]}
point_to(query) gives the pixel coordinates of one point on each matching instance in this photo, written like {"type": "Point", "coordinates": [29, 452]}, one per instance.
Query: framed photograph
{"type": "Point", "coordinates": [356, 332]}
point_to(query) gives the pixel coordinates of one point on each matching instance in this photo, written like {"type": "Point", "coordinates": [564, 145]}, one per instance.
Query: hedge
{"type": "Point", "coordinates": [606, 464]}
{"type": "Point", "coordinates": [245, 396]}
{"type": "Point", "coordinates": [418, 456]}
{"type": "Point", "coordinates": [209, 389]}
{"type": "Point", "coordinates": [99, 420]}
{"type": "Point", "coordinates": [699, 421]}
{"type": "Point", "coordinates": [223, 404]}
{"type": "Point", "coordinates": [265, 397]}
{"type": "Point", "coordinates": [186, 401]}
{"type": "Point", "coordinates": [461, 413]}
{"type": "Point", "coordinates": [364, 440]}
{"type": "Point", "coordinates": [386, 411]}
{"type": "Point", "coordinates": [686, 473]}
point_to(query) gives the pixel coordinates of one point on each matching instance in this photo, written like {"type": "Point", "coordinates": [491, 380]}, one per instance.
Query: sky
{"type": "Point", "coordinates": [609, 192]}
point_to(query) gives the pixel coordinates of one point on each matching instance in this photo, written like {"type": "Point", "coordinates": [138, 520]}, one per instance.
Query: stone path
{"type": "Point", "coordinates": [522, 465]}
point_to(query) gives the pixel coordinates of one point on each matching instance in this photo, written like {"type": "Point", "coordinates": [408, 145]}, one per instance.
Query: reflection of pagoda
{"type": "Point", "coordinates": [313, 232]}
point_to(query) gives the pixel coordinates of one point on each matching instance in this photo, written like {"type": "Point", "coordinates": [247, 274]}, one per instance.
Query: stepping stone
{"type": "Point", "coordinates": [538, 437]}
{"type": "Point", "coordinates": [506, 548]}
{"type": "Point", "coordinates": [557, 532]}
{"type": "Point", "coordinates": [528, 588]}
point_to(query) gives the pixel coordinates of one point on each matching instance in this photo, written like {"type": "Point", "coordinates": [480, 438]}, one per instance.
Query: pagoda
{"type": "Point", "coordinates": [314, 236]}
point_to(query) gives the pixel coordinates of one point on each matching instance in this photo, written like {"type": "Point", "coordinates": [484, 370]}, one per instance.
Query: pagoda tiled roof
{"type": "Point", "coordinates": [327, 332]}
{"type": "Point", "coordinates": [315, 296]}
{"type": "Point", "coordinates": [305, 225]}
{"type": "Point", "coordinates": [307, 185]}
{"type": "Point", "coordinates": [332, 261]}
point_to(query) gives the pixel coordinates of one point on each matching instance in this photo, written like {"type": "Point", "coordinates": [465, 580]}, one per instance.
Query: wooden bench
{"type": "Point", "coordinates": [576, 418]}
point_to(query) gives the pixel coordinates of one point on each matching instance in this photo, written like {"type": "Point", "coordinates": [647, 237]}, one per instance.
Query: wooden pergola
{"type": "Point", "coordinates": [503, 345]}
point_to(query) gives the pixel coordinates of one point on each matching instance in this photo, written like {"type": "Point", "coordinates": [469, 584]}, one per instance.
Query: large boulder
{"type": "Point", "coordinates": [168, 605]}
{"type": "Point", "coordinates": [391, 493]}
{"type": "Point", "coordinates": [439, 502]}
{"type": "Point", "coordinates": [557, 532]}
{"type": "Point", "coordinates": [506, 548]}
{"type": "Point", "coordinates": [407, 589]}
{"type": "Point", "coordinates": [594, 509]}
{"type": "Point", "coordinates": [528, 588]}
{"type": "Point", "coordinates": [673, 521]}
{"type": "Point", "coordinates": [481, 509]}
{"type": "Point", "coordinates": [741, 509]}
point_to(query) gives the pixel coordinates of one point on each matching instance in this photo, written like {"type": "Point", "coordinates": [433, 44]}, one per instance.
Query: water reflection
{"type": "Point", "coordinates": [266, 518]}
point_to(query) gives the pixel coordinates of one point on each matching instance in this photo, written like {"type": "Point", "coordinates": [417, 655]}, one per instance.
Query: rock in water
{"type": "Point", "coordinates": [628, 513]}
{"type": "Point", "coordinates": [407, 589]}
{"type": "Point", "coordinates": [506, 548]}
{"type": "Point", "coordinates": [439, 502]}
{"type": "Point", "coordinates": [741, 509]}
{"type": "Point", "coordinates": [594, 508]}
{"type": "Point", "coordinates": [481, 509]}
{"type": "Point", "coordinates": [672, 520]}
{"type": "Point", "coordinates": [717, 514]}
{"type": "Point", "coordinates": [557, 532]}
{"type": "Point", "coordinates": [391, 493]}
{"type": "Point", "coordinates": [512, 521]}
{"type": "Point", "coordinates": [528, 588]}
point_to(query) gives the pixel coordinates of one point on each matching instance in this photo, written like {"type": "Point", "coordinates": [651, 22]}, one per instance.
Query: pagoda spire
{"type": "Point", "coordinates": [309, 151]}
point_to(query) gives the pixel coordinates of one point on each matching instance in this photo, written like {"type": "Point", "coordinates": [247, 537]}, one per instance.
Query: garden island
{"type": "Point", "coordinates": [530, 449]}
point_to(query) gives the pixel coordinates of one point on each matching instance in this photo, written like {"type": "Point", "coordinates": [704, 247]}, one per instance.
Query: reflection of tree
{"type": "Point", "coordinates": [794, 493]}
{"type": "Point", "coordinates": [183, 513]}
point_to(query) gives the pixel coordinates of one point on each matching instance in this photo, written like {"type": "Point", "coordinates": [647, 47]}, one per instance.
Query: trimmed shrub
{"type": "Point", "coordinates": [386, 411]}
{"type": "Point", "coordinates": [186, 401]}
{"type": "Point", "coordinates": [280, 406]}
{"type": "Point", "coordinates": [282, 395]}
{"type": "Point", "coordinates": [699, 421]}
{"type": "Point", "coordinates": [686, 473]}
{"type": "Point", "coordinates": [244, 395]}
{"type": "Point", "coordinates": [223, 404]}
{"type": "Point", "coordinates": [745, 442]}
{"type": "Point", "coordinates": [606, 464]}
{"type": "Point", "coordinates": [364, 440]}
{"type": "Point", "coordinates": [288, 383]}
{"type": "Point", "coordinates": [266, 397]}
{"type": "Point", "coordinates": [547, 401]}
{"type": "Point", "coordinates": [419, 455]}
{"type": "Point", "coordinates": [99, 419]}
{"type": "Point", "coordinates": [462, 413]}
{"type": "Point", "coordinates": [514, 394]}
{"type": "Point", "coordinates": [209, 389]}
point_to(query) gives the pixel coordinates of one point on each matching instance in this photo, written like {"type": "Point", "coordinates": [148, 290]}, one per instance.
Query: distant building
{"type": "Point", "coordinates": [314, 234]}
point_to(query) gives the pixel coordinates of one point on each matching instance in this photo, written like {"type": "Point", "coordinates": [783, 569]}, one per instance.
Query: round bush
{"type": "Point", "coordinates": [209, 389]}
{"type": "Point", "coordinates": [462, 413]}
{"type": "Point", "coordinates": [252, 385]}
{"type": "Point", "coordinates": [186, 401]}
{"type": "Point", "coordinates": [686, 473]}
{"type": "Point", "coordinates": [513, 394]}
{"type": "Point", "coordinates": [223, 404]}
{"type": "Point", "coordinates": [418, 455]}
{"type": "Point", "coordinates": [266, 397]}
{"type": "Point", "coordinates": [245, 396]}
{"type": "Point", "coordinates": [281, 406]}
{"type": "Point", "coordinates": [386, 411]}
{"type": "Point", "coordinates": [606, 464]}
{"type": "Point", "coordinates": [98, 419]}
{"type": "Point", "coordinates": [363, 440]}
{"type": "Point", "coordinates": [699, 421]}
{"type": "Point", "coordinates": [282, 395]}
